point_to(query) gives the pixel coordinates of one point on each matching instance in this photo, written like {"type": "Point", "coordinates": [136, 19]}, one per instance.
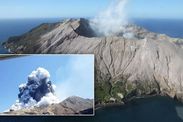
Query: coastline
{"type": "Point", "coordinates": [125, 102]}
{"type": "Point", "coordinates": [100, 106]}
{"type": "Point", "coordinates": [4, 49]}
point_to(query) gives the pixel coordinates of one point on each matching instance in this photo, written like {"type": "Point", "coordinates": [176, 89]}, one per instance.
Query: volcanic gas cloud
{"type": "Point", "coordinates": [112, 20]}
{"type": "Point", "coordinates": [38, 91]}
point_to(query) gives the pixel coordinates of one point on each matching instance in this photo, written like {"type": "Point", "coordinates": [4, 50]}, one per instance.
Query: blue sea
{"type": "Point", "coordinates": [170, 27]}
{"type": "Point", "coordinates": [14, 27]}
{"type": "Point", "coordinates": [156, 109]}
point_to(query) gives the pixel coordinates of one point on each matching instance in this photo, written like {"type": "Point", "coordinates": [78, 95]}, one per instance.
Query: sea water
{"type": "Point", "coordinates": [155, 109]}
{"type": "Point", "coordinates": [15, 27]}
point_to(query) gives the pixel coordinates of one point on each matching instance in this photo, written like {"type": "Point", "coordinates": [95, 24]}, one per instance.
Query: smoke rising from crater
{"type": "Point", "coordinates": [112, 20]}
{"type": "Point", "coordinates": [38, 91]}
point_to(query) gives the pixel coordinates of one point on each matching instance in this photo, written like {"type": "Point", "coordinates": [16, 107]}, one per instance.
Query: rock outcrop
{"type": "Point", "coordinates": [143, 64]}
{"type": "Point", "coordinates": [71, 106]}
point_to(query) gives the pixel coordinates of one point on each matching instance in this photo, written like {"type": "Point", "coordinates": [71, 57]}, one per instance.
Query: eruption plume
{"type": "Point", "coordinates": [112, 20]}
{"type": "Point", "coordinates": [38, 91]}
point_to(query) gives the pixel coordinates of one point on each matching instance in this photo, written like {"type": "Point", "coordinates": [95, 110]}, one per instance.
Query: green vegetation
{"type": "Point", "coordinates": [122, 90]}
{"type": "Point", "coordinates": [102, 92]}
{"type": "Point", "coordinates": [106, 90]}
{"type": "Point", "coordinates": [118, 87]}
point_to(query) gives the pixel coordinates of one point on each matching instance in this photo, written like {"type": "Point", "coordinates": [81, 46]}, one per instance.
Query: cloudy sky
{"type": "Point", "coordinates": [73, 75]}
{"type": "Point", "coordinates": [87, 8]}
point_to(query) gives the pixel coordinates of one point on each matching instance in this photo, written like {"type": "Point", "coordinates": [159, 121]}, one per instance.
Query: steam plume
{"type": "Point", "coordinates": [37, 91]}
{"type": "Point", "coordinates": [112, 20]}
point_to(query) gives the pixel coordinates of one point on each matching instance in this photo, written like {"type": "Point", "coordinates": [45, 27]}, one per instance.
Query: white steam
{"type": "Point", "coordinates": [20, 105]}
{"type": "Point", "coordinates": [48, 100]}
{"type": "Point", "coordinates": [45, 101]}
{"type": "Point", "coordinates": [37, 76]}
{"type": "Point", "coordinates": [112, 20]}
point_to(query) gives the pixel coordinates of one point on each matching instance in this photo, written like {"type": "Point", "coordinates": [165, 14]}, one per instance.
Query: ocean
{"type": "Point", "coordinates": [170, 27]}
{"type": "Point", "coordinates": [14, 27]}
{"type": "Point", "coordinates": [155, 109]}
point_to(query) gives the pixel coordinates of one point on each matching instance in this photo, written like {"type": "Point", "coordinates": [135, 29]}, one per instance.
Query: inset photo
{"type": "Point", "coordinates": [47, 85]}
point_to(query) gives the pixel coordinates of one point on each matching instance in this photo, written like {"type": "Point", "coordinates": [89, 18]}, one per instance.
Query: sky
{"type": "Point", "coordinates": [88, 8]}
{"type": "Point", "coordinates": [73, 75]}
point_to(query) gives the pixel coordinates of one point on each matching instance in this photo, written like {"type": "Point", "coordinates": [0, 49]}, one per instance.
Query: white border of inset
{"type": "Point", "coordinates": [3, 57]}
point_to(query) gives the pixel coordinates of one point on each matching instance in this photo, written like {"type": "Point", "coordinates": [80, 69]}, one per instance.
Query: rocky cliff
{"type": "Point", "coordinates": [132, 63]}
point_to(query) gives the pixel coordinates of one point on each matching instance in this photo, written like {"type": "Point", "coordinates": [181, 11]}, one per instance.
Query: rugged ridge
{"type": "Point", "coordinates": [144, 64]}
{"type": "Point", "coordinates": [71, 106]}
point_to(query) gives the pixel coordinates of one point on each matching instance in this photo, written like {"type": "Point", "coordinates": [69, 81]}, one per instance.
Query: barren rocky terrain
{"type": "Point", "coordinates": [125, 66]}
{"type": "Point", "coordinates": [71, 106]}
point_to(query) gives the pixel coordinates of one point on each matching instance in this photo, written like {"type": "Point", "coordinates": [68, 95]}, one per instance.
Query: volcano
{"type": "Point", "coordinates": [131, 63]}
{"type": "Point", "coordinates": [37, 97]}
